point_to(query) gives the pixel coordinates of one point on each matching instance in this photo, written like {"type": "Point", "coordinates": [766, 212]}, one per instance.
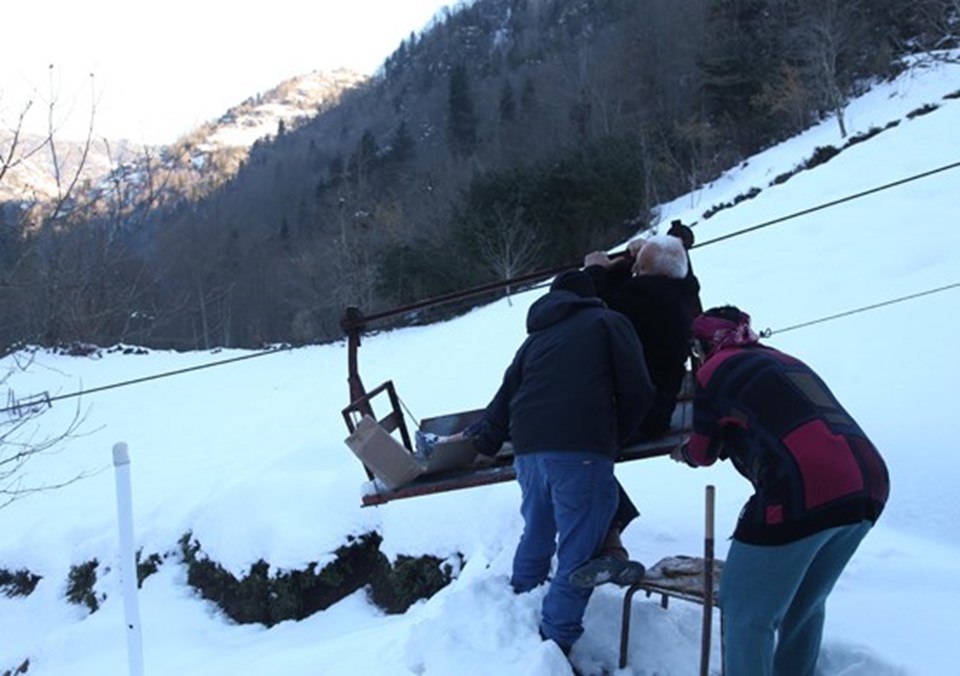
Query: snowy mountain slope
{"type": "Point", "coordinates": [249, 457]}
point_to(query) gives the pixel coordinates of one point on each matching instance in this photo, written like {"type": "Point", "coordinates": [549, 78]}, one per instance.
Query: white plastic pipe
{"type": "Point", "coordinates": [128, 560]}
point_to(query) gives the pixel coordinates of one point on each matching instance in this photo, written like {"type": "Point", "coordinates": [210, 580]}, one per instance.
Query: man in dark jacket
{"type": "Point", "coordinates": [654, 289]}
{"type": "Point", "coordinates": [576, 391]}
{"type": "Point", "coordinates": [819, 484]}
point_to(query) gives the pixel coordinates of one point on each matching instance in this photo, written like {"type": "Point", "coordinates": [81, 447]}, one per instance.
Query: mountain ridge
{"type": "Point", "coordinates": [33, 177]}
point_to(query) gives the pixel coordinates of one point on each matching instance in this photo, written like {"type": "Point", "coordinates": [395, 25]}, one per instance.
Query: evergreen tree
{"type": "Point", "coordinates": [528, 98]}
{"type": "Point", "coordinates": [741, 50]}
{"type": "Point", "coordinates": [462, 118]}
{"type": "Point", "coordinates": [364, 158]}
{"type": "Point", "coordinates": [402, 144]}
{"type": "Point", "coordinates": [508, 104]}
{"type": "Point", "coordinates": [336, 171]}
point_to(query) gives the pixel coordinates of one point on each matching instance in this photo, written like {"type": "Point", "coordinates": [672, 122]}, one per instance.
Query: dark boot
{"type": "Point", "coordinates": [603, 569]}
{"type": "Point", "coordinates": [613, 546]}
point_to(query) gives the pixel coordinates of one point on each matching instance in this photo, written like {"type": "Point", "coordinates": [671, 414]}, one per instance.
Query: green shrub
{"type": "Point", "coordinates": [19, 583]}
{"type": "Point", "coordinates": [409, 580]}
{"type": "Point", "coordinates": [147, 567]}
{"type": "Point", "coordinates": [80, 583]}
{"type": "Point", "coordinates": [922, 110]}
{"type": "Point", "coordinates": [16, 671]}
{"type": "Point", "coordinates": [293, 595]}
{"type": "Point", "coordinates": [821, 155]}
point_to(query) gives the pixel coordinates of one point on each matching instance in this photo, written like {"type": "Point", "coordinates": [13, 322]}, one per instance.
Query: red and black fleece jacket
{"type": "Point", "coordinates": [810, 464]}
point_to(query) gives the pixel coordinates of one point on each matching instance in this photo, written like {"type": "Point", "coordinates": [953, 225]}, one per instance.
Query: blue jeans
{"type": "Point", "coordinates": [568, 501]}
{"type": "Point", "coordinates": [781, 589]}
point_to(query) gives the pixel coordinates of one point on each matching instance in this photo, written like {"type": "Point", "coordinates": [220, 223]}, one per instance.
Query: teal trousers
{"type": "Point", "coordinates": [773, 599]}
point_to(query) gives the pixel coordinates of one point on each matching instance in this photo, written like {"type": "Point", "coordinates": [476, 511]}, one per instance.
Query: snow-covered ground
{"type": "Point", "coordinates": [250, 458]}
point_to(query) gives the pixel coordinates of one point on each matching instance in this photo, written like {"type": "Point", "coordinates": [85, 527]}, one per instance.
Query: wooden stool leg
{"type": "Point", "coordinates": [625, 624]}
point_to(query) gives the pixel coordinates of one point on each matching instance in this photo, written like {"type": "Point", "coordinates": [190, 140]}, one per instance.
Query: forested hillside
{"type": "Point", "coordinates": [510, 135]}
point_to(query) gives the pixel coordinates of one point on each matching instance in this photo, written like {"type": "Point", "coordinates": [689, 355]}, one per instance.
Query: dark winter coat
{"type": "Point", "coordinates": [577, 383]}
{"type": "Point", "coordinates": [659, 308]}
{"type": "Point", "coordinates": [810, 464]}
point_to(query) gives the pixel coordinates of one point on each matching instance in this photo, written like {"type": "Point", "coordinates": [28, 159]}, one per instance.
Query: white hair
{"type": "Point", "coordinates": [663, 255]}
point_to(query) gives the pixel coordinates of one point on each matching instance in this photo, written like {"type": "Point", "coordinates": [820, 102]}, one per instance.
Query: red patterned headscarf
{"type": "Point", "coordinates": [728, 326]}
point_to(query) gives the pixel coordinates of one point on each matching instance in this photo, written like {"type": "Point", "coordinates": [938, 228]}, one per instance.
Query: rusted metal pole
{"type": "Point", "coordinates": [538, 276]}
{"type": "Point", "coordinates": [353, 324]}
{"type": "Point", "coordinates": [707, 584]}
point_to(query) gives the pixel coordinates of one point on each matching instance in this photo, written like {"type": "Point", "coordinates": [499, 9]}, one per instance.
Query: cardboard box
{"type": "Point", "coordinates": [394, 465]}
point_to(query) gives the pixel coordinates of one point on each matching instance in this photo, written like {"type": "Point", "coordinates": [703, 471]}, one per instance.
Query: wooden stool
{"type": "Point", "coordinates": [683, 577]}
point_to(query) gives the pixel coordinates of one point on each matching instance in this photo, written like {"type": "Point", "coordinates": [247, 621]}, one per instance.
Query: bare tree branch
{"type": "Point", "coordinates": [507, 245]}
{"type": "Point", "coordinates": [64, 194]}
{"type": "Point", "coordinates": [21, 443]}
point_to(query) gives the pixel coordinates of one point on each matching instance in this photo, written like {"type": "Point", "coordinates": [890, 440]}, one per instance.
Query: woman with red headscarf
{"type": "Point", "coordinates": [819, 486]}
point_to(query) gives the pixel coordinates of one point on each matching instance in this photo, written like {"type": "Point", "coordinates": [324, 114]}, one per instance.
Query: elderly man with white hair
{"type": "Point", "coordinates": [654, 289]}
{"type": "Point", "coordinates": [656, 294]}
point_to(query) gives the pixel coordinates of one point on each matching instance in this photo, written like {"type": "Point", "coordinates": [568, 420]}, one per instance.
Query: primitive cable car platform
{"type": "Point", "coordinates": [396, 470]}
{"type": "Point", "coordinates": [501, 470]}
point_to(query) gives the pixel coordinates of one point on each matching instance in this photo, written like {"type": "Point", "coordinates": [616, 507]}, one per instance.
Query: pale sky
{"type": "Point", "coordinates": [161, 68]}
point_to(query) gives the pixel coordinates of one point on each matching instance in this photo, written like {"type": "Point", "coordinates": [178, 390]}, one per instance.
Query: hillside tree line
{"type": "Point", "coordinates": [512, 135]}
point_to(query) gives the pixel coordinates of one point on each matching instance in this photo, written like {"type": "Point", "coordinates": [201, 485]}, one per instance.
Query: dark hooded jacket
{"type": "Point", "coordinates": [658, 307]}
{"type": "Point", "coordinates": [577, 383]}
